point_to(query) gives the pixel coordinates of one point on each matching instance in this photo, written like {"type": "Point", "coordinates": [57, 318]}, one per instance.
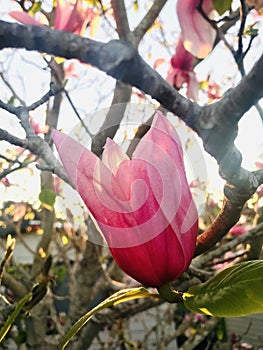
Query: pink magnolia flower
{"type": "Point", "coordinates": [142, 205]}
{"type": "Point", "coordinates": [213, 91]}
{"type": "Point", "coordinates": [197, 33]}
{"type": "Point", "coordinates": [69, 17]}
{"type": "Point", "coordinates": [181, 71]}
{"type": "Point", "coordinates": [228, 260]}
{"type": "Point", "coordinates": [260, 191]}
{"type": "Point", "coordinates": [72, 18]}
{"type": "Point", "coordinates": [5, 182]}
{"type": "Point", "coordinates": [258, 4]}
{"type": "Point", "coordinates": [259, 165]}
{"type": "Point", "coordinates": [38, 129]}
{"type": "Point", "coordinates": [70, 69]}
{"type": "Point", "coordinates": [57, 184]}
{"type": "Point", "coordinates": [239, 229]}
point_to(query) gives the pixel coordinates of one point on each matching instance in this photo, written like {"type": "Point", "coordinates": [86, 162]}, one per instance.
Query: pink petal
{"type": "Point", "coordinates": [167, 158]}
{"type": "Point", "coordinates": [181, 71]}
{"type": "Point", "coordinates": [259, 165]}
{"type": "Point", "coordinates": [113, 155]}
{"type": "Point", "coordinates": [70, 69]}
{"type": "Point", "coordinates": [78, 18]}
{"type": "Point", "coordinates": [71, 18]}
{"type": "Point", "coordinates": [182, 59]}
{"type": "Point", "coordinates": [169, 251]}
{"type": "Point", "coordinates": [63, 13]}
{"type": "Point", "coordinates": [198, 35]}
{"type": "Point", "coordinates": [24, 18]}
{"type": "Point", "coordinates": [158, 62]}
{"type": "Point", "coordinates": [154, 263]}
{"type": "Point", "coordinates": [144, 219]}
{"type": "Point", "coordinates": [101, 192]}
{"type": "Point", "coordinates": [38, 129]}
{"type": "Point", "coordinates": [180, 78]}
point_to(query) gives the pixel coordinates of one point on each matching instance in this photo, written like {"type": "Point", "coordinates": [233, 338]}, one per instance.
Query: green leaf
{"type": "Point", "coordinates": [235, 291]}
{"type": "Point", "coordinates": [221, 6]}
{"type": "Point", "coordinates": [11, 318]}
{"type": "Point", "coordinates": [117, 298]}
{"type": "Point", "coordinates": [47, 198]}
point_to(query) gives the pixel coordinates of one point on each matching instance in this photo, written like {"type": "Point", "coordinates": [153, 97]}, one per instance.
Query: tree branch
{"type": "Point", "coordinates": [243, 186]}
{"type": "Point", "coordinates": [148, 20]}
{"type": "Point", "coordinates": [40, 148]}
{"type": "Point", "coordinates": [122, 94]}
{"type": "Point", "coordinates": [121, 19]}
{"type": "Point", "coordinates": [18, 288]}
{"type": "Point", "coordinates": [122, 62]}
{"type": "Point", "coordinates": [117, 58]}
{"type": "Point", "coordinates": [253, 233]}
{"type": "Point", "coordinates": [216, 123]}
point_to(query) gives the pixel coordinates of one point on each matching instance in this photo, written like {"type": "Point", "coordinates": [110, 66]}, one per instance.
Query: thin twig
{"type": "Point", "coordinates": [11, 89]}
{"type": "Point", "coordinates": [148, 20]}
{"type": "Point", "coordinates": [257, 231]}
{"type": "Point", "coordinates": [10, 245]}
{"type": "Point", "coordinates": [239, 55]}
{"type": "Point", "coordinates": [18, 166]}
{"type": "Point", "coordinates": [63, 89]}
{"type": "Point", "coordinates": [77, 113]}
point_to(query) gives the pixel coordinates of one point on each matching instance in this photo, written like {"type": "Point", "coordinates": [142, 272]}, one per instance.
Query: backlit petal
{"type": "Point", "coordinates": [198, 34]}
{"type": "Point", "coordinates": [143, 206]}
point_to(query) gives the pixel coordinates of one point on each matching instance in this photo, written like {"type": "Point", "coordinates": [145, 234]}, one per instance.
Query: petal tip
{"type": "Point", "coordinates": [58, 137]}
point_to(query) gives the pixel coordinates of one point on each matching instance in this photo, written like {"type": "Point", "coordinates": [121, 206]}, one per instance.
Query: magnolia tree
{"type": "Point", "coordinates": [137, 245]}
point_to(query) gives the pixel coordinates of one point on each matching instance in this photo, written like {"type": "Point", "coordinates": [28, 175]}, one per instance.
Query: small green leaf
{"type": "Point", "coordinates": [92, 2]}
{"type": "Point", "coordinates": [47, 198]}
{"type": "Point", "coordinates": [12, 100]}
{"type": "Point", "coordinates": [250, 31]}
{"type": "Point", "coordinates": [117, 298]}
{"type": "Point", "coordinates": [35, 8]}
{"type": "Point", "coordinates": [135, 5]}
{"type": "Point", "coordinates": [221, 6]}
{"type": "Point", "coordinates": [236, 291]}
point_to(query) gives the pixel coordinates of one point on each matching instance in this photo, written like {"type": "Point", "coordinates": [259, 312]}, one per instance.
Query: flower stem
{"type": "Point", "coordinates": [169, 295]}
